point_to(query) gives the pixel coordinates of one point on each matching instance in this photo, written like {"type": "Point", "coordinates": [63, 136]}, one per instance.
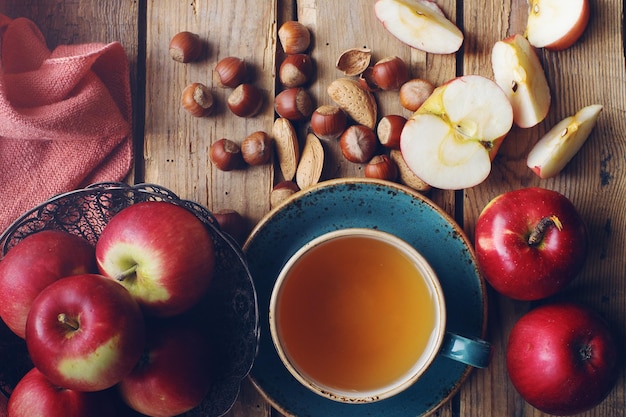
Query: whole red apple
{"type": "Point", "coordinates": [162, 253]}
{"type": "Point", "coordinates": [530, 243]}
{"type": "Point", "coordinates": [562, 358]}
{"type": "Point", "coordinates": [35, 396]}
{"type": "Point", "coordinates": [85, 332]}
{"type": "Point", "coordinates": [175, 372]}
{"type": "Point", "coordinates": [34, 263]}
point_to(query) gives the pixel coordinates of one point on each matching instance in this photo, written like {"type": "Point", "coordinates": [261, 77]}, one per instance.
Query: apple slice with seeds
{"type": "Point", "coordinates": [420, 24]}
{"type": "Point", "coordinates": [556, 24]}
{"type": "Point", "coordinates": [450, 141]}
{"type": "Point", "coordinates": [518, 71]}
{"type": "Point", "coordinates": [557, 147]}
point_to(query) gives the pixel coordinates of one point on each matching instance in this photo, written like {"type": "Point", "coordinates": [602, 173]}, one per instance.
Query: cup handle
{"type": "Point", "coordinates": [473, 352]}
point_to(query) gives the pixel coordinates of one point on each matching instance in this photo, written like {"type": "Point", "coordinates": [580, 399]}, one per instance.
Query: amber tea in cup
{"type": "Point", "coordinates": [357, 315]}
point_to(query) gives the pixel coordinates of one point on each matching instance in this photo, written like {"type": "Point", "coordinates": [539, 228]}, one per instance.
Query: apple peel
{"type": "Point", "coordinates": [557, 147]}
{"type": "Point", "coordinates": [420, 24]}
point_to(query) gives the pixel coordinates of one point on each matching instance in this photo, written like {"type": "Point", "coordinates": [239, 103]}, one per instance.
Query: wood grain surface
{"type": "Point", "coordinates": [172, 147]}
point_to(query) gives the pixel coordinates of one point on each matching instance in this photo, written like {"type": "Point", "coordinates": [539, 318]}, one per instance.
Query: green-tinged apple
{"type": "Point", "coordinates": [35, 262]}
{"type": "Point", "coordinates": [85, 332]}
{"type": "Point", "coordinates": [557, 147]}
{"type": "Point", "coordinates": [556, 24]}
{"type": "Point", "coordinates": [420, 24]}
{"type": "Point", "coordinates": [175, 372]}
{"type": "Point", "coordinates": [35, 396]}
{"type": "Point", "coordinates": [530, 243]}
{"type": "Point", "coordinates": [162, 253]}
{"type": "Point", "coordinates": [517, 70]}
{"type": "Point", "coordinates": [563, 358]}
{"type": "Point", "coordinates": [451, 140]}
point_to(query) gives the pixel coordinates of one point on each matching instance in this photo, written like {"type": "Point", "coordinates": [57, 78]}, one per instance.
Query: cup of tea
{"type": "Point", "coordinates": [358, 315]}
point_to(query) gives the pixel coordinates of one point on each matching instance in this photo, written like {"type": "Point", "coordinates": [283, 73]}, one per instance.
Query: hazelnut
{"type": "Point", "coordinates": [390, 73]}
{"type": "Point", "coordinates": [414, 93]}
{"type": "Point", "coordinates": [232, 223]}
{"type": "Point", "coordinates": [389, 130]}
{"type": "Point", "coordinates": [381, 167]}
{"type": "Point", "coordinates": [256, 148]}
{"type": "Point", "coordinates": [231, 71]}
{"type": "Point", "coordinates": [295, 70]}
{"type": "Point", "coordinates": [226, 155]}
{"type": "Point", "coordinates": [358, 143]}
{"type": "Point", "coordinates": [185, 47]}
{"type": "Point", "coordinates": [328, 122]}
{"type": "Point", "coordinates": [294, 37]}
{"type": "Point", "coordinates": [197, 99]}
{"type": "Point", "coordinates": [282, 191]}
{"type": "Point", "coordinates": [366, 80]}
{"type": "Point", "coordinates": [294, 104]}
{"type": "Point", "coordinates": [245, 100]}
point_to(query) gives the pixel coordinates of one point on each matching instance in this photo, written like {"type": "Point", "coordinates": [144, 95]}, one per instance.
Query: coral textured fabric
{"type": "Point", "coordinates": [65, 117]}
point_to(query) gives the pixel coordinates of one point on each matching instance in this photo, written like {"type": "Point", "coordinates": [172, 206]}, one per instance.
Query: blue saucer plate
{"type": "Point", "coordinates": [365, 203]}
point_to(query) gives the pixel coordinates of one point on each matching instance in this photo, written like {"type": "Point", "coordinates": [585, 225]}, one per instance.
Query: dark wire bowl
{"type": "Point", "coordinates": [233, 315]}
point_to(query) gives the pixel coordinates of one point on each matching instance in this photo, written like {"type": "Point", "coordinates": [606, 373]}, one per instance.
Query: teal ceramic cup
{"type": "Point", "coordinates": [353, 339]}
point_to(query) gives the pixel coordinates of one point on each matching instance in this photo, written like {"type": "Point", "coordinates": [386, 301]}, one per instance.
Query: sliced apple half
{"type": "Point", "coordinates": [451, 140]}
{"type": "Point", "coordinates": [557, 147]}
{"type": "Point", "coordinates": [518, 71]}
{"type": "Point", "coordinates": [556, 24]}
{"type": "Point", "coordinates": [420, 24]}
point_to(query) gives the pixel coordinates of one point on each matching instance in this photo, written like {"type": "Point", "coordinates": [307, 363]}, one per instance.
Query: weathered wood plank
{"type": "Point", "coordinates": [177, 144]}
{"type": "Point", "coordinates": [592, 71]}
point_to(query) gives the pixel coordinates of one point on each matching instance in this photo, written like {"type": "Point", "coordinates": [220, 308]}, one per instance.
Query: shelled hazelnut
{"type": "Point", "coordinates": [256, 148]}
{"type": "Point", "coordinates": [245, 100]}
{"type": "Point", "coordinates": [390, 73]}
{"type": "Point", "coordinates": [226, 155]}
{"type": "Point", "coordinates": [197, 99]}
{"type": "Point", "coordinates": [233, 223]}
{"type": "Point", "coordinates": [381, 167]}
{"type": "Point", "coordinates": [294, 37]}
{"type": "Point", "coordinates": [294, 104]}
{"type": "Point", "coordinates": [231, 71]}
{"type": "Point", "coordinates": [389, 130]}
{"type": "Point", "coordinates": [282, 191]}
{"type": "Point", "coordinates": [328, 122]}
{"type": "Point", "coordinates": [185, 47]}
{"type": "Point", "coordinates": [295, 70]}
{"type": "Point", "coordinates": [358, 143]}
{"type": "Point", "coordinates": [414, 93]}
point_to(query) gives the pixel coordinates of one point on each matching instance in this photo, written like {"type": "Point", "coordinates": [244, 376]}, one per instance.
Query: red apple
{"type": "Point", "coordinates": [35, 396]}
{"type": "Point", "coordinates": [530, 243]}
{"type": "Point", "coordinates": [85, 332]}
{"type": "Point", "coordinates": [562, 358]}
{"type": "Point", "coordinates": [162, 253]}
{"type": "Point", "coordinates": [175, 372]}
{"type": "Point", "coordinates": [34, 263]}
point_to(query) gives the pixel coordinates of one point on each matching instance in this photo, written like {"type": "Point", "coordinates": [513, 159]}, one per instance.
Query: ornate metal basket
{"type": "Point", "coordinates": [234, 315]}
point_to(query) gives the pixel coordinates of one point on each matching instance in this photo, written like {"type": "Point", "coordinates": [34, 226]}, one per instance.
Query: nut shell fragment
{"type": "Point", "coordinates": [354, 61]}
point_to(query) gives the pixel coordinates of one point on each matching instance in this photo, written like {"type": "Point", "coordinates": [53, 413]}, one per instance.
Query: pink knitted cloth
{"type": "Point", "coordinates": [65, 117]}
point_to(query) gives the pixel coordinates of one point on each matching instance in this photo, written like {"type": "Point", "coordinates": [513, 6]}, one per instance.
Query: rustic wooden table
{"type": "Point", "coordinates": [172, 147]}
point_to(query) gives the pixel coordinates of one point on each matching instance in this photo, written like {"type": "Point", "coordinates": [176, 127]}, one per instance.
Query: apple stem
{"type": "Point", "coordinates": [126, 273]}
{"type": "Point", "coordinates": [69, 322]}
{"type": "Point", "coordinates": [538, 233]}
